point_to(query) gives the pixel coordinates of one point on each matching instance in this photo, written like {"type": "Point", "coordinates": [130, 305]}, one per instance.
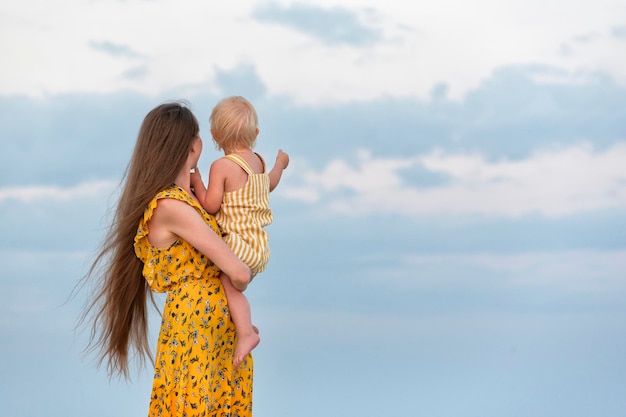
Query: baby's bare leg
{"type": "Point", "coordinates": [247, 335]}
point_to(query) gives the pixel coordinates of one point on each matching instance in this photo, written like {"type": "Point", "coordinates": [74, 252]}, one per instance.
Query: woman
{"type": "Point", "coordinates": [161, 239]}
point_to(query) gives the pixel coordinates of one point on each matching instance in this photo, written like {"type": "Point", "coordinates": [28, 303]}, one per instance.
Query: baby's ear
{"type": "Point", "coordinates": [257, 131]}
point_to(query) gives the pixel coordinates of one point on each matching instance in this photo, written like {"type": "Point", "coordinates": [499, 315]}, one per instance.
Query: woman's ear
{"type": "Point", "coordinates": [196, 145]}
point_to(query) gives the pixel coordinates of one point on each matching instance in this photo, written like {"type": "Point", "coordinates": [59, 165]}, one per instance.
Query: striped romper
{"type": "Point", "coordinates": [243, 215]}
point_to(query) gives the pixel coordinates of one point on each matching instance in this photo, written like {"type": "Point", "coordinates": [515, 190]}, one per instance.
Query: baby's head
{"type": "Point", "coordinates": [234, 124]}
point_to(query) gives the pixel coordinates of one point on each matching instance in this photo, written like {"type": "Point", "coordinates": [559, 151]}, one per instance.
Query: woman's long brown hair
{"type": "Point", "coordinates": [118, 306]}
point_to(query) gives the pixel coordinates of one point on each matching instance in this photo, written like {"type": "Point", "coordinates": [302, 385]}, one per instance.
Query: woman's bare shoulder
{"type": "Point", "coordinates": [166, 220]}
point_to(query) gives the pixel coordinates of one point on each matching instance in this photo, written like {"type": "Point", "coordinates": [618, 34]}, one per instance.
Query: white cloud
{"type": "Point", "coordinates": [552, 182]}
{"type": "Point", "coordinates": [87, 190]}
{"type": "Point", "coordinates": [49, 46]}
{"type": "Point", "coordinates": [576, 271]}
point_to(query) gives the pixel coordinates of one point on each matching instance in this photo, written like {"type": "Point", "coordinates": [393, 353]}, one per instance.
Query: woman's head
{"type": "Point", "coordinates": [234, 123]}
{"type": "Point", "coordinates": [165, 139]}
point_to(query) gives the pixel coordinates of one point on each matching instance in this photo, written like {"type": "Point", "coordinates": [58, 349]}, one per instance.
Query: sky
{"type": "Point", "coordinates": [449, 239]}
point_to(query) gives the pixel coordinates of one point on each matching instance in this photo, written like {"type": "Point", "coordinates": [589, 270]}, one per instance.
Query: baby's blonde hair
{"type": "Point", "coordinates": [234, 123]}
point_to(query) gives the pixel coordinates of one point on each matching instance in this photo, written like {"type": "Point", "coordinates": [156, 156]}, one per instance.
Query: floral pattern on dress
{"type": "Point", "coordinates": [193, 375]}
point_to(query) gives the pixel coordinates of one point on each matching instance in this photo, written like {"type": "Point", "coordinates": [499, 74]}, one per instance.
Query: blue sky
{"type": "Point", "coordinates": [450, 236]}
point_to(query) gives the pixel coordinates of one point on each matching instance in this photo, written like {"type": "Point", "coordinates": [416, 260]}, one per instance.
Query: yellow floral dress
{"type": "Point", "coordinates": [194, 375]}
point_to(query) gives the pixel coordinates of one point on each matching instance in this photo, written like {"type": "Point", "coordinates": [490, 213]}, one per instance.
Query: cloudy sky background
{"type": "Point", "coordinates": [450, 236]}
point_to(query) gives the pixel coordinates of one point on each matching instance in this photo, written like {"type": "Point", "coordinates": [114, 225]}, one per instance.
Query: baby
{"type": "Point", "coordinates": [238, 194]}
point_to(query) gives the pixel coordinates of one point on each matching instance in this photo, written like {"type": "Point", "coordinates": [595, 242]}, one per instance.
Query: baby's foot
{"type": "Point", "coordinates": [245, 344]}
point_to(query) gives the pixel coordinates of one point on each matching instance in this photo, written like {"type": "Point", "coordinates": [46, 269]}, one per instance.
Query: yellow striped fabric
{"type": "Point", "coordinates": [243, 215]}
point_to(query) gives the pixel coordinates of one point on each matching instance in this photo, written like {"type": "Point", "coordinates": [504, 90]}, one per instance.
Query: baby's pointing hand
{"type": "Point", "coordinates": [283, 158]}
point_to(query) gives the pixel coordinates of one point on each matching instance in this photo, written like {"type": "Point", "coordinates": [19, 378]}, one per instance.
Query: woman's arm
{"type": "Point", "coordinates": [173, 218]}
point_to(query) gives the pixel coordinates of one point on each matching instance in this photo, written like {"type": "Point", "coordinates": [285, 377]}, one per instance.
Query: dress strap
{"type": "Point", "coordinates": [243, 164]}
{"type": "Point", "coordinates": [262, 161]}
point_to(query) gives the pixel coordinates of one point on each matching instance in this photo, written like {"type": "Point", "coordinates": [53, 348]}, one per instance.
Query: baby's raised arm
{"type": "Point", "coordinates": [282, 161]}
